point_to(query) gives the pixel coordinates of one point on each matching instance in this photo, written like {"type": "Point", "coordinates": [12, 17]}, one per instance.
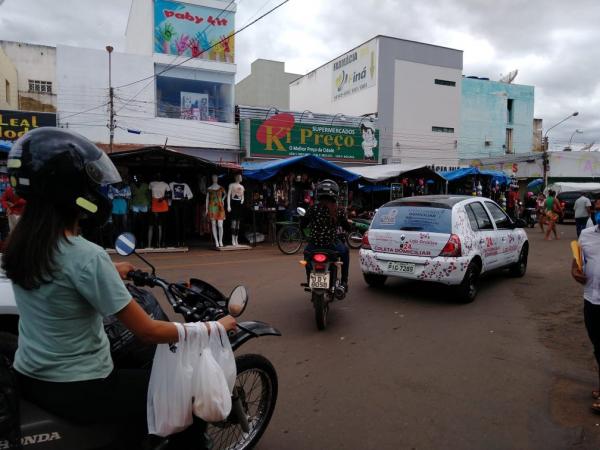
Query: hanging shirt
{"type": "Point", "coordinates": [119, 197]}
{"type": "Point", "coordinates": [140, 195]}
{"type": "Point", "coordinates": [159, 191]}
{"type": "Point", "coordinates": [180, 191]}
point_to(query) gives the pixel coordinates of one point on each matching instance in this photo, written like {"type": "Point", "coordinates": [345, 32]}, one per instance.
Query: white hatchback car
{"type": "Point", "coordinates": [445, 239]}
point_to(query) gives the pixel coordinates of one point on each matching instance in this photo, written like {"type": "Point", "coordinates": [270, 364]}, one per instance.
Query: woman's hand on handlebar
{"type": "Point", "coordinates": [228, 323]}
{"type": "Point", "coordinates": [124, 268]}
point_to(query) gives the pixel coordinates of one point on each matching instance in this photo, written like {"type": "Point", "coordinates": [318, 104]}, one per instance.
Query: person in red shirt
{"type": "Point", "coordinates": [512, 202]}
{"type": "Point", "coordinates": [13, 205]}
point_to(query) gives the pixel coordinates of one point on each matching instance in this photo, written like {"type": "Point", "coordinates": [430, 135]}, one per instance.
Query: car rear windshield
{"type": "Point", "coordinates": [413, 217]}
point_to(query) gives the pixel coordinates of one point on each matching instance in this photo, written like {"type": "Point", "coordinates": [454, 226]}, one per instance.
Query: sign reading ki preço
{"type": "Point", "coordinates": [279, 136]}
{"type": "Point", "coordinates": [14, 124]}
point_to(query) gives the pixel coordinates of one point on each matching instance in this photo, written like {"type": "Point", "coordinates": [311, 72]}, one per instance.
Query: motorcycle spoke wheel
{"type": "Point", "coordinates": [257, 383]}
{"type": "Point", "coordinates": [289, 240]}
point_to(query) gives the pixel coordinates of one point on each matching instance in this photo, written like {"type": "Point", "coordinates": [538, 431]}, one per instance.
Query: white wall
{"type": "Point", "coordinates": [86, 71]}
{"type": "Point", "coordinates": [8, 74]}
{"type": "Point", "coordinates": [267, 85]}
{"type": "Point", "coordinates": [315, 91]}
{"type": "Point", "coordinates": [419, 104]}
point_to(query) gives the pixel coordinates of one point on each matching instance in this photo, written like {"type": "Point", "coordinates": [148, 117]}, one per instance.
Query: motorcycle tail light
{"type": "Point", "coordinates": [452, 247]}
{"type": "Point", "coordinates": [365, 241]}
{"type": "Point", "coordinates": [319, 258]}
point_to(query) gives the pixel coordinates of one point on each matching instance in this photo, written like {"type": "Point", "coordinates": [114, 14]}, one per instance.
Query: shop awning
{"type": "Point", "coordinates": [458, 174]}
{"type": "Point", "coordinates": [262, 171]}
{"type": "Point", "coordinates": [382, 172]}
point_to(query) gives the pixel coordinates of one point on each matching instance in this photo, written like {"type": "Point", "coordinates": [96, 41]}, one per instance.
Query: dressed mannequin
{"type": "Point", "coordinates": [181, 194]}
{"type": "Point", "coordinates": [235, 200]}
{"type": "Point", "coordinates": [119, 194]}
{"type": "Point", "coordinates": [161, 192]}
{"type": "Point", "coordinates": [140, 205]}
{"type": "Point", "coordinates": [215, 209]}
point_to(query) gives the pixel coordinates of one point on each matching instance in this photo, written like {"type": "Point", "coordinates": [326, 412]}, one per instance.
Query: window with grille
{"type": "Point", "coordinates": [442, 129]}
{"type": "Point", "coordinates": [44, 87]}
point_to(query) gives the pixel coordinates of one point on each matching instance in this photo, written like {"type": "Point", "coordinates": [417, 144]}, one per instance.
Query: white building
{"type": "Point", "coordinates": [36, 75]}
{"type": "Point", "coordinates": [268, 85]}
{"type": "Point", "coordinates": [175, 82]}
{"type": "Point", "coordinates": [413, 88]}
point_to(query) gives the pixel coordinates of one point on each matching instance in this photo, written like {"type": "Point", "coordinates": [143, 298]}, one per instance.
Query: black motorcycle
{"type": "Point", "coordinates": [530, 217]}
{"type": "Point", "coordinates": [254, 395]}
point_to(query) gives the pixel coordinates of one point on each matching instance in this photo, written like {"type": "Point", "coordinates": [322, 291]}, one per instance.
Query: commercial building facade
{"type": "Point", "coordinates": [413, 88]}
{"type": "Point", "coordinates": [268, 85]}
{"type": "Point", "coordinates": [496, 118]}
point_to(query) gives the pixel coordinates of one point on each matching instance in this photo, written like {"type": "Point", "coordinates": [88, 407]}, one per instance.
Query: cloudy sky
{"type": "Point", "coordinates": [553, 43]}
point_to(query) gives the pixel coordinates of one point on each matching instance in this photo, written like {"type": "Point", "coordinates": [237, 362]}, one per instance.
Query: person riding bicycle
{"type": "Point", "coordinates": [64, 285]}
{"type": "Point", "coordinates": [323, 220]}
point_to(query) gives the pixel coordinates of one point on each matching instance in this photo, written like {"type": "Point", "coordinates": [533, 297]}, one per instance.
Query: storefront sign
{"type": "Point", "coordinates": [279, 136]}
{"type": "Point", "coordinates": [14, 124]}
{"type": "Point", "coordinates": [194, 31]}
{"type": "Point", "coordinates": [354, 71]}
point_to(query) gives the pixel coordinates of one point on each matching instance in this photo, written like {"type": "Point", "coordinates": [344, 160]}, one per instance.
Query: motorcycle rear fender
{"type": "Point", "coordinates": [255, 329]}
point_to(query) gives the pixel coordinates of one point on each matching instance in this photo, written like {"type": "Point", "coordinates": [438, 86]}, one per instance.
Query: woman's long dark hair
{"type": "Point", "coordinates": [29, 253]}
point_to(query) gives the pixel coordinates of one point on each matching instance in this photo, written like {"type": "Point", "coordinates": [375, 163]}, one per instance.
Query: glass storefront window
{"type": "Point", "coordinates": [194, 99]}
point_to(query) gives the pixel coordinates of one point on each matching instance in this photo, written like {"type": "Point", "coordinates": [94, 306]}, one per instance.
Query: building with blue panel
{"type": "Point", "coordinates": [496, 119]}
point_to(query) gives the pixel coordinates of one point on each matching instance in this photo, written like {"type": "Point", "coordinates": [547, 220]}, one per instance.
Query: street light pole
{"type": "Point", "coordinates": [545, 145]}
{"type": "Point", "coordinates": [111, 122]}
{"type": "Point", "coordinates": [574, 132]}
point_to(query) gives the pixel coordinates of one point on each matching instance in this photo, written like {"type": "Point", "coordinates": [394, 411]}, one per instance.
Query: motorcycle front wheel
{"type": "Point", "coordinates": [289, 239]}
{"type": "Point", "coordinates": [256, 384]}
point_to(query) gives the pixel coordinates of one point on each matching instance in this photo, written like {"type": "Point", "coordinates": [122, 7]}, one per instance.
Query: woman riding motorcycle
{"type": "Point", "coordinates": [64, 285]}
{"type": "Point", "coordinates": [323, 220]}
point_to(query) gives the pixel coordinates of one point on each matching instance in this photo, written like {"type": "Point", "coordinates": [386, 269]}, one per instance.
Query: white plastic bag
{"type": "Point", "coordinates": [222, 352]}
{"type": "Point", "coordinates": [212, 397]}
{"type": "Point", "coordinates": [169, 403]}
{"type": "Point", "coordinates": [589, 223]}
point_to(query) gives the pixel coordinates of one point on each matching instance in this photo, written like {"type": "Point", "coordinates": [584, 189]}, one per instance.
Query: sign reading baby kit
{"type": "Point", "coordinates": [280, 136]}
{"type": "Point", "coordinates": [14, 124]}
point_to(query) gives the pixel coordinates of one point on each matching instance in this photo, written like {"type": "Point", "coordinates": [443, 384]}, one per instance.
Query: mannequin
{"type": "Point", "coordinates": [119, 194]}
{"type": "Point", "coordinates": [235, 200]}
{"type": "Point", "coordinates": [181, 194]}
{"type": "Point", "coordinates": [215, 209]}
{"type": "Point", "coordinates": [140, 205]}
{"type": "Point", "coordinates": [161, 192]}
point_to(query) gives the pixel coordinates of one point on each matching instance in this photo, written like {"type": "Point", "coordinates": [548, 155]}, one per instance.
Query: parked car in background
{"type": "Point", "coordinates": [446, 239]}
{"type": "Point", "coordinates": [567, 201]}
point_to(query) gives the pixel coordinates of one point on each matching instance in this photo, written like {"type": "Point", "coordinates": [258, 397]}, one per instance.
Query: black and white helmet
{"type": "Point", "coordinates": [328, 189]}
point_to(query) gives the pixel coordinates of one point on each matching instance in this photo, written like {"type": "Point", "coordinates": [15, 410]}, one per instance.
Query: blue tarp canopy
{"type": "Point", "coordinates": [5, 146]}
{"type": "Point", "coordinates": [262, 171]}
{"type": "Point", "coordinates": [373, 188]}
{"type": "Point", "coordinates": [457, 174]}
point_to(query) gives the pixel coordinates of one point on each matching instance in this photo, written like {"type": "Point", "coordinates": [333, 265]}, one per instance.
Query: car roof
{"type": "Point", "coordinates": [439, 201]}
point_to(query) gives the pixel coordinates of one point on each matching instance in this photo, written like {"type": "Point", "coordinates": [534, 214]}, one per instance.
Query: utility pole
{"type": "Point", "coordinates": [111, 94]}
{"type": "Point", "coordinates": [546, 160]}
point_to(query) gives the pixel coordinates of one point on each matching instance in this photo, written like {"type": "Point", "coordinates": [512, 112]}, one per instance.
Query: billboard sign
{"type": "Point", "coordinates": [280, 136]}
{"type": "Point", "coordinates": [14, 124]}
{"type": "Point", "coordinates": [191, 30]}
{"type": "Point", "coordinates": [354, 71]}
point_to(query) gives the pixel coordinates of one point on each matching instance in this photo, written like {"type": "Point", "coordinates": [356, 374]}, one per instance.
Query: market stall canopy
{"type": "Point", "coordinates": [458, 174]}
{"type": "Point", "coordinates": [262, 171]}
{"type": "Point", "coordinates": [570, 187]}
{"type": "Point", "coordinates": [161, 157]}
{"type": "Point", "coordinates": [375, 174]}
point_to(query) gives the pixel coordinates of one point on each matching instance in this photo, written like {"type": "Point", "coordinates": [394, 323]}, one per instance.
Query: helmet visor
{"type": "Point", "coordinates": [103, 171]}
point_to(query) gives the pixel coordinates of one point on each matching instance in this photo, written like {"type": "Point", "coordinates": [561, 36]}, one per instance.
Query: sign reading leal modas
{"type": "Point", "coordinates": [354, 71]}
{"type": "Point", "coordinates": [14, 124]}
{"type": "Point", "coordinates": [279, 136]}
{"type": "Point", "coordinates": [194, 31]}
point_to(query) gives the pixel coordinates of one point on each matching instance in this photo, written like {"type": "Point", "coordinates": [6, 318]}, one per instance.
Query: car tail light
{"type": "Point", "coordinates": [365, 241]}
{"type": "Point", "coordinates": [452, 247]}
{"type": "Point", "coordinates": [319, 258]}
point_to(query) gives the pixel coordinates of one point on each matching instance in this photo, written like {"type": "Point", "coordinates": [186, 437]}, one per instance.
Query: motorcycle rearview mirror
{"type": "Point", "coordinates": [301, 212]}
{"type": "Point", "coordinates": [238, 300]}
{"type": "Point", "coordinates": [125, 246]}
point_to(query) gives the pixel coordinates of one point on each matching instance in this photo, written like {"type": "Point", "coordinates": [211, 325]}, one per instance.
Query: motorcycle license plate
{"type": "Point", "coordinates": [319, 281]}
{"type": "Point", "coordinates": [400, 267]}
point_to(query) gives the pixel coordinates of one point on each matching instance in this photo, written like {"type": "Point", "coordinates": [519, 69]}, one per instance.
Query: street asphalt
{"type": "Point", "coordinates": [405, 367]}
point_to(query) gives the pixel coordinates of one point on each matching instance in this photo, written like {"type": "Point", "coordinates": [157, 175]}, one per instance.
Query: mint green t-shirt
{"type": "Point", "coordinates": [61, 335]}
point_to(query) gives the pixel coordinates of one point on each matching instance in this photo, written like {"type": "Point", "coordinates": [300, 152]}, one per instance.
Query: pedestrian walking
{"type": "Point", "coordinates": [589, 276]}
{"type": "Point", "coordinates": [541, 210]}
{"type": "Point", "coordinates": [13, 205]}
{"type": "Point", "coordinates": [553, 213]}
{"type": "Point", "coordinates": [583, 209]}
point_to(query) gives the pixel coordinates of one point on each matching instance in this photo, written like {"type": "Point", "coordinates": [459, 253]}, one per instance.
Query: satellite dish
{"type": "Point", "coordinates": [510, 77]}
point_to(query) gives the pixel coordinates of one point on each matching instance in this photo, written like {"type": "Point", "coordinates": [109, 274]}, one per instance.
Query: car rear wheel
{"type": "Point", "coordinates": [467, 290]}
{"type": "Point", "coordinates": [374, 280]}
